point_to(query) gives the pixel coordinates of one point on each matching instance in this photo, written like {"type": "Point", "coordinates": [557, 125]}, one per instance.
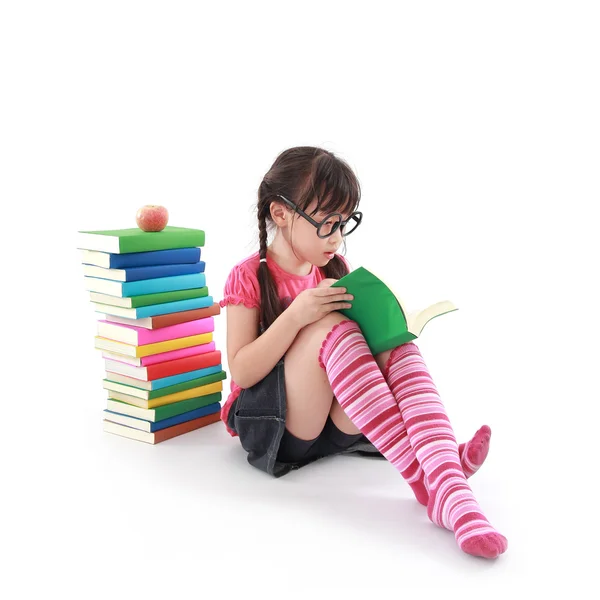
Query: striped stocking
{"type": "Point", "coordinates": [363, 393]}
{"type": "Point", "coordinates": [451, 502]}
{"type": "Point", "coordinates": [472, 453]}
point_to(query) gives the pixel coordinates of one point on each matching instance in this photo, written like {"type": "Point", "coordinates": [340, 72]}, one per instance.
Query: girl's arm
{"type": "Point", "coordinates": [251, 358]}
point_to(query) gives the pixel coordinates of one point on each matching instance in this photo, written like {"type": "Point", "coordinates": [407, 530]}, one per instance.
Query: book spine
{"type": "Point", "coordinates": [165, 320]}
{"type": "Point", "coordinates": [175, 430]}
{"type": "Point", "coordinates": [154, 272]}
{"type": "Point", "coordinates": [163, 284]}
{"type": "Point", "coordinates": [162, 240]}
{"type": "Point", "coordinates": [154, 258]}
{"type": "Point", "coordinates": [175, 354]}
{"type": "Point", "coordinates": [172, 307]}
{"type": "Point", "coordinates": [183, 365]}
{"type": "Point", "coordinates": [209, 409]}
{"type": "Point", "coordinates": [149, 336]}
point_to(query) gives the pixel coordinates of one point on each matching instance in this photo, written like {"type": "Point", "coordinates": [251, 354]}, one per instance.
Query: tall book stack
{"type": "Point", "coordinates": [164, 375]}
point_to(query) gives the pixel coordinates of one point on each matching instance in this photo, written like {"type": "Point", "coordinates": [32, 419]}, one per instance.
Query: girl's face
{"type": "Point", "coordinates": [306, 244]}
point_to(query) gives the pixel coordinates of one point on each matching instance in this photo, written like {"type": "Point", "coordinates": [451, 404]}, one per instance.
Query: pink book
{"type": "Point", "coordinates": [163, 356]}
{"type": "Point", "coordinates": [139, 336]}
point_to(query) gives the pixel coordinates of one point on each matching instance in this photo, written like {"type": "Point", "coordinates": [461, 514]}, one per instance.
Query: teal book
{"type": "Point", "coordinates": [380, 313]}
{"type": "Point", "coordinates": [163, 382]}
{"type": "Point", "coordinates": [130, 390]}
{"type": "Point", "coordinates": [126, 289]}
{"type": "Point", "coordinates": [153, 310]}
{"type": "Point", "coordinates": [121, 241]}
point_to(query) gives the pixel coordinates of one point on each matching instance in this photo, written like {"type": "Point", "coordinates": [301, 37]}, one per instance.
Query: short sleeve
{"type": "Point", "coordinates": [241, 287]}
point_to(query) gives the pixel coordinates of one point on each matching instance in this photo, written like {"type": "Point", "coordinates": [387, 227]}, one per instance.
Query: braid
{"type": "Point", "coordinates": [335, 268]}
{"type": "Point", "coordinates": [270, 305]}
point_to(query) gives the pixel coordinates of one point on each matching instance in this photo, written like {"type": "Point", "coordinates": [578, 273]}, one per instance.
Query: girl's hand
{"type": "Point", "coordinates": [313, 304]}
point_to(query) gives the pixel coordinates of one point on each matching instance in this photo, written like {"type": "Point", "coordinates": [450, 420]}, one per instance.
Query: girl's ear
{"type": "Point", "coordinates": [279, 213]}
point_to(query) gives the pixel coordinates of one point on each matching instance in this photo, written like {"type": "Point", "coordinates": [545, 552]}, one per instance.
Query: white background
{"type": "Point", "coordinates": [473, 128]}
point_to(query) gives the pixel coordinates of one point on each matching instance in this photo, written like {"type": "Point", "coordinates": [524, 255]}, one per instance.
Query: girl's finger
{"type": "Point", "coordinates": [338, 305]}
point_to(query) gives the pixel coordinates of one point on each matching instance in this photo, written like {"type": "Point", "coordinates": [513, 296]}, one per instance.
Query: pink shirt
{"type": "Point", "coordinates": [242, 287]}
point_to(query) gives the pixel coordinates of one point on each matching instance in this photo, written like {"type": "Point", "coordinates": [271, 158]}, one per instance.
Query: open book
{"type": "Point", "coordinates": [381, 314]}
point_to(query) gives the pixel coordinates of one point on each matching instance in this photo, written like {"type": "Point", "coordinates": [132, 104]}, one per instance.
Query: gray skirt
{"type": "Point", "coordinates": [258, 417]}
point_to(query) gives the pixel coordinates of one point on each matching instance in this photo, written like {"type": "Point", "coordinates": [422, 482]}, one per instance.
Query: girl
{"type": "Point", "coordinates": [304, 384]}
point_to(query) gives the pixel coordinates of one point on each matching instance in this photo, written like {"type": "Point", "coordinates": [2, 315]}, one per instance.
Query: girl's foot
{"type": "Point", "coordinates": [453, 506]}
{"type": "Point", "coordinates": [473, 453]}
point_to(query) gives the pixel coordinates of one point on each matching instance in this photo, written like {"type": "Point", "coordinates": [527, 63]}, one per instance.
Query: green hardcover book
{"type": "Point", "coordinates": [122, 241]}
{"type": "Point", "coordinates": [380, 314]}
{"type": "Point", "coordinates": [149, 299]}
{"type": "Point", "coordinates": [162, 412]}
{"type": "Point", "coordinates": [172, 389]}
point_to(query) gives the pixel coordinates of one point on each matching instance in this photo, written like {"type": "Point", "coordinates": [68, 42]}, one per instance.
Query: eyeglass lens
{"type": "Point", "coordinates": [332, 223]}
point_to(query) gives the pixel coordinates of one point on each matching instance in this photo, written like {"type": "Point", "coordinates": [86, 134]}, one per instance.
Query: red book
{"type": "Point", "coordinates": [165, 369]}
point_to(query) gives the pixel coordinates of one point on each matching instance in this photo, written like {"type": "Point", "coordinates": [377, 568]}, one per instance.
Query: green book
{"type": "Point", "coordinates": [122, 241]}
{"type": "Point", "coordinates": [162, 412]}
{"type": "Point", "coordinates": [380, 313]}
{"type": "Point", "coordinates": [149, 299]}
{"type": "Point", "coordinates": [172, 389]}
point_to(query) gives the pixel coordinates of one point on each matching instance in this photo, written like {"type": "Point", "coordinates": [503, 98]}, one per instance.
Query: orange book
{"type": "Point", "coordinates": [163, 434]}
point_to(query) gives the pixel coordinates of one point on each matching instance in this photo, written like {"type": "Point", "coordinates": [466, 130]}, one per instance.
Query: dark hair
{"type": "Point", "coordinates": [300, 174]}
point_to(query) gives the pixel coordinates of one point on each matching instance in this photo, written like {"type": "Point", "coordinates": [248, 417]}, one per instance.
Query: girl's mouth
{"type": "Point", "coordinates": [329, 255]}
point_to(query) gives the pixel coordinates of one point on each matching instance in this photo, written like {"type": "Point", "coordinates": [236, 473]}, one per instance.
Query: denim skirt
{"type": "Point", "coordinates": [258, 417]}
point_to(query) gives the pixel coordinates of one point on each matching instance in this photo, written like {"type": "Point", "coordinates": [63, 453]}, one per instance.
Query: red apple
{"type": "Point", "coordinates": [152, 217]}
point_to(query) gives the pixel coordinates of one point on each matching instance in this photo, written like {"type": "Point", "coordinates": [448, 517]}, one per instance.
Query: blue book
{"type": "Point", "coordinates": [127, 289]}
{"type": "Point", "coordinates": [140, 259]}
{"type": "Point", "coordinates": [141, 273]}
{"type": "Point", "coordinates": [153, 310]}
{"type": "Point", "coordinates": [163, 382]}
{"type": "Point", "coordinates": [151, 426]}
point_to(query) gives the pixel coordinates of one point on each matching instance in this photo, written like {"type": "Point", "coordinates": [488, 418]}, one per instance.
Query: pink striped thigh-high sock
{"type": "Point", "coordinates": [451, 501]}
{"type": "Point", "coordinates": [363, 393]}
{"type": "Point", "coordinates": [472, 453]}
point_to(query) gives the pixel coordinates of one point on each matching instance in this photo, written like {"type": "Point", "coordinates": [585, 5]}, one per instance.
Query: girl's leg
{"type": "Point", "coordinates": [366, 398]}
{"type": "Point", "coordinates": [451, 501]}
{"type": "Point", "coordinates": [310, 399]}
{"type": "Point", "coordinates": [472, 453]}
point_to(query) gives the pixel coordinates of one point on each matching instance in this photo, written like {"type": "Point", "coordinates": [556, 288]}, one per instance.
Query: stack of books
{"type": "Point", "coordinates": [164, 375]}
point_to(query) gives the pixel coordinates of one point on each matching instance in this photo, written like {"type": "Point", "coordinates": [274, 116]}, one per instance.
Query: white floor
{"type": "Point", "coordinates": [94, 512]}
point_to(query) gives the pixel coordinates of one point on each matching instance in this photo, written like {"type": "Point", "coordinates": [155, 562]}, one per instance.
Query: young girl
{"type": "Point", "coordinates": [304, 384]}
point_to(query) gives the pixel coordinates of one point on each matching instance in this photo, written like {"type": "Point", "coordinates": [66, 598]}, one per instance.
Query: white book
{"type": "Point", "coordinates": [131, 381]}
{"type": "Point", "coordinates": [127, 421]}
{"type": "Point", "coordinates": [130, 360]}
{"type": "Point", "coordinates": [145, 322]}
{"type": "Point", "coordinates": [115, 366]}
{"type": "Point", "coordinates": [112, 274]}
{"type": "Point", "coordinates": [96, 297]}
{"type": "Point", "coordinates": [93, 257]}
{"type": "Point", "coordinates": [118, 333]}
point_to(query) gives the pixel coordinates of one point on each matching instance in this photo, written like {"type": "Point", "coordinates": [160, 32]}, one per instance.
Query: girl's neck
{"type": "Point", "coordinates": [281, 252]}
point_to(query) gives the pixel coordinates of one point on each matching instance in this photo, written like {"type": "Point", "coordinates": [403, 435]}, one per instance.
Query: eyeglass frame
{"type": "Point", "coordinates": [343, 222]}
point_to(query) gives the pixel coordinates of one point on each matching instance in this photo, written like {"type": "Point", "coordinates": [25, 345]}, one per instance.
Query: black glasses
{"type": "Point", "coordinates": [331, 223]}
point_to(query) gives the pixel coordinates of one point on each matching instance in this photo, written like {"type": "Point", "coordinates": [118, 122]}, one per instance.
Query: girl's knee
{"type": "Point", "coordinates": [320, 328]}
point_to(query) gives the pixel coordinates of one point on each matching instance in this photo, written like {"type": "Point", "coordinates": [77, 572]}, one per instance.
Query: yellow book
{"type": "Point", "coordinates": [203, 390]}
{"type": "Point", "coordinates": [102, 343]}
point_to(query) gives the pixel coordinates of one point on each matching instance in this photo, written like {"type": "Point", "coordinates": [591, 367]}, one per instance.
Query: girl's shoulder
{"type": "Point", "coordinates": [249, 263]}
{"type": "Point", "coordinates": [241, 285]}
